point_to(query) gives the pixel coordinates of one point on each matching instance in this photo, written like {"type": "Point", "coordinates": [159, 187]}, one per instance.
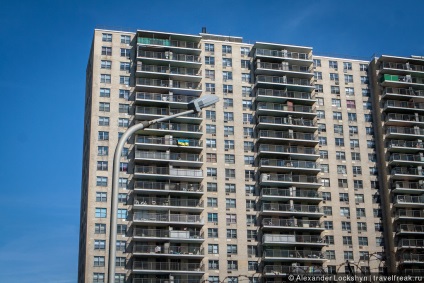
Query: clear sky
{"type": "Point", "coordinates": [44, 46]}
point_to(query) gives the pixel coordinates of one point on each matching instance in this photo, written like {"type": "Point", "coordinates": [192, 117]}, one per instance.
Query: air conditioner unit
{"type": "Point", "coordinates": [213, 120]}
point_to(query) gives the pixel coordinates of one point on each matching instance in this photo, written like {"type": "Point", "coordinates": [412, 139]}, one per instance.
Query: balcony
{"type": "Point", "coordinates": [149, 113]}
{"type": "Point", "coordinates": [281, 96]}
{"type": "Point", "coordinates": [406, 173]}
{"type": "Point", "coordinates": [296, 84]}
{"type": "Point", "coordinates": [410, 229]}
{"type": "Point", "coordinates": [181, 236]}
{"type": "Point", "coordinates": [175, 280]}
{"type": "Point", "coordinates": [177, 159]}
{"type": "Point", "coordinates": [173, 174]}
{"type": "Point", "coordinates": [278, 109]}
{"type": "Point", "coordinates": [165, 187]}
{"type": "Point", "coordinates": [307, 139]}
{"type": "Point", "coordinates": [411, 243]}
{"type": "Point", "coordinates": [288, 180]}
{"type": "Point", "coordinates": [292, 255]}
{"type": "Point", "coordinates": [403, 106]}
{"type": "Point", "coordinates": [177, 87]}
{"type": "Point", "coordinates": [405, 146]}
{"type": "Point", "coordinates": [408, 93]}
{"type": "Point", "coordinates": [406, 159]}
{"type": "Point", "coordinates": [283, 54]}
{"type": "Point", "coordinates": [403, 68]}
{"type": "Point", "coordinates": [192, 74]}
{"type": "Point", "coordinates": [169, 251]}
{"type": "Point", "coordinates": [287, 194]}
{"type": "Point", "coordinates": [176, 59]}
{"type": "Point", "coordinates": [401, 81]}
{"type": "Point", "coordinates": [409, 201]}
{"type": "Point", "coordinates": [273, 270]}
{"type": "Point", "coordinates": [167, 219]}
{"type": "Point", "coordinates": [295, 209]}
{"type": "Point", "coordinates": [166, 267]}
{"type": "Point", "coordinates": [295, 152]}
{"type": "Point", "coordinates": [161, 143]}
{"type": "Point", "coordinates": [164, 98]}
{"type": "Point", "coordinates": [412, 258]}
{"type": "Point", "coordinates": [185, 44]}
{"type": "Point", "coordinates": [408, 187]}
{"type": "Point", "coordinates": [180, 130]}
{"type": "Point", "coordinates": [395, 119]}
{"type": "Point", "coordinates": [413, 271]}
{"type": "Point", "coordinates": [265, 68]}
{"type": "Point", "coordinates": [290, 224]}
{"type": "Point", "coordinates": [297, 124]}
{"type": "Point", "coordinates": [402, 132]}
{"type": "Point", "coordinates": [172, 203]}
{"type": "Point", "coordinates": [289, 239]}
{"type": "Point", "coordinates": [409, 214]}
{"type": "Point", "coordinates": [288, 165]}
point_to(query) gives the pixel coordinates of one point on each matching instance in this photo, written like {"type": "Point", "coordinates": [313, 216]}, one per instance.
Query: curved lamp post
{"type": "Point", "coordinates": [194, 107]}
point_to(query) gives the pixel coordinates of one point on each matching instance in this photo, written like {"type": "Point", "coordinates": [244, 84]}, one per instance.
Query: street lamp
{"type": "Point", "coordinates": [194, 107]}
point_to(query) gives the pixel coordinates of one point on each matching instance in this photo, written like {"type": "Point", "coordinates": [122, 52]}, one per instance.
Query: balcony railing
{"type": "Point", "coordinates": [168, 171]}
{"type": "Point", "coordinates": [294, 254]}
{"type": "Point", "coordinates": [156, 280]}
{"type": "Point", "coordinates": [287, 121]}
{"type": "Point", "coordinates": [406, 171]}
{"type": "Point", "coordinates": [169, 56]}
{"type": "Point", "coordinates": [185, 187]}
{"type": "Point", "coordinates": [285, 107]}
{"type": "Point", "coordinates": [283, 80]}
{"type": "Point", "coordinates": [168, 202]}
{"type": "Point", "coordinates": [289, 163]}
{"type": "Point", "coordinates": [169, 83]}
{"type": "Point", "coordinates": [406, 79]}
{"type": "Point", "coordinates": [176, 127]}
{"type": "Point", "coordinates": [273, 238]}
{"type": "Point", "coordinates": [168, 70]}
{"type": "Point", "coordinates": [163, 111]}
{"type": "Point", "coordinates": [410, 228]}
{"type": "Point", "coordinates": [410, 213]}
{"type": "Point", "coordinates": [284, 269]}
{"type": "Point", "coordinates": [157, 249]}
{"type": "Point", "coordinates": [409, 199]}
{"type": "Point", "coordinates": [289, 178]}
{"type": "Point", "coordinates": [402, 66]}
{"type": "Point", "coordinates": [157, 233]}
{"type": "Point", "coordinates": [291, 208]}
{"type": "Point", "coordinates": [168, 141]}
{"type": "Point", "coordinates": [291, 223]}
{"type": "Point", "coordinates": [290, 193]}
{"type": "Point", "coordinates": [410, 257]}
{"type": "Point", "coordinates": [411, 243]}
{"type": "Point", "coordinates": [283, 93]}
{"type": "Point", "coordinates": [283, 67]}
{"type": "Point", "coordinates": [164, 97]}
{"type": "Point", "coordinates": [287, 135]}
{"type": "Point", "coordinates": [413, 271]}
{"type": "Point", "coordinates": [403, 130]}
{"type": "Point", "coordinates": [177, 218]}
{"type": "Point", "coordinates": [167, 266]}
{"type": "Point", "coordinates": [283, 54]}
{"type": "Point", "coordinates": [403, 143]}
{"type": "Point", "coordinates": [168, 42]}
{"type": "Point", "coordinates": [404, 104]}
{"type": "Point", "coordinates": [406, 157]}
{"type": "Point", "coordinates": [287, 149]}
{"type": "Point", "coordinates": [168, 156]}
{"type": "Point", "coordinates": [407, 185]}
{"type": "Point", "coordinates": [404, 117]}
{"type": "Point", "coordinates": [403, 91]}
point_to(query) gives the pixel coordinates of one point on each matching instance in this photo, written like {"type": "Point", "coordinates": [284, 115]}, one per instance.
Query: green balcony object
{"type": "Point", "coordinates": [392, 78]}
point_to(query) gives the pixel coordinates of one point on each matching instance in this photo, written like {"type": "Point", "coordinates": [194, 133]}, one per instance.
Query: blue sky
{"type": "Point", "coordinates": [44, 49]}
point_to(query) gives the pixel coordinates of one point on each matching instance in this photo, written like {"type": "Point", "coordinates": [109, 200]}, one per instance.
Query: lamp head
{"type": "Point", "coordinates": [202, 102]}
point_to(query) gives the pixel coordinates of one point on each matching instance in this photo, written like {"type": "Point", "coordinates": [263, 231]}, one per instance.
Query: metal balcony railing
{"type": "Point", "coordinates": [409, 199]}
{"type": "Point", "coordinates": [284, 93]}
{"type": "Point", "coordinates": [159, 249]}
{"type": "Point", "coordinates": [411, 243]}
{"type": "Point", "coordinates": [403, 66]}
{"type": "Point", "coordinates": [407, 185]}
{"type": "Point", "coordinates": [163, 111]}
{"type": "Point", "coordinates": [168, 202]}
{"type": "Point", "coordinates": [169, 156]}
{"type": "Point", "coordinates": [405, 157]}
{"type": "Point", "coordinates": [156, 280]}
{"type": "Point", "coordinates": [406, 79]}
{"type": "Point", "coordinates": [168, 56]}
{"type": "Point", "coordinates": [284, 67]}
{"type": "Point", "coordinates": [168, 171]}
{"type": "Point", "coordinates": [283, 54]}
{"type": "Point", "coordinates": [167, 141]}
{"type": "Point", "coordinates": [176, 127]}
{"type": "Point", "coordinates": [404, 104]}
{"type": "Point", "coordinates": [289, 163]}
{"type": "Point", "coordinates": [287, 121]}
{"type": "Point", "coordinates": [403, 143]}
{"type": "Point", "coordinates": [291, 208]}
{"type": "Point", "coordinates": [291, 223]}
{"type": "Point", "coordinates": [168, 42]}
{"type": "Point", "coordinates": [410, 213]}
{"type": "Point", "coordinates": [285, 269]}
{"type": "Point", "coordinates": [177, 218]}
{"type": "Point", "coordinates": [273, 238]}
{"type": "Point", "coordinates": [403, 91]}
{"type": "Point", "coordinates": [404, 117]}
{"type": "Point", "coordinates": [168, 70]}
{"type": "Point", "coordinates": [293, 254]}
{"type": "Point", "coordinates": [413, 271]}
{"type": "Point", "coordinates": [287, 135]}
{"type": "Point", "coordinates": [168, 83]}
{"type": "Point", "coordinates": [410, 257]}
{"type": "Point", "coordinates": [164, 97]}
{"type": "Point", "coordinates": [410, 228]}
{"type": "Point", "coordinates": [287, 149]}
{"type": "Point", "coordinates": [284, 107]}
{"type": "Point", "coordinates": [283, 80]}
{"type": "Point", "coordinates": [167, 266]}
{"type": "Point", "coordinates": [403, 130]}
{"type": "Point", "coordinates": [290, 193]}
{"type": "Point", "coordinates": [189, 187]}
{"type": "Point", "coordinates": [406, 171]}
{"type": "Point", "coordinates": [158, 233]}
{"type": "Point", "coordinates": [289, 178]}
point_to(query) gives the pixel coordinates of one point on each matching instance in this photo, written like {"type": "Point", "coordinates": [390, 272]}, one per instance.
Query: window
{"type": "Point", "coordinates": [124, 93]}
{"type": "Point", "coordinates": [121, 229]}
{"type": "Point", "coordinates": [335, 89]}
{"type": "Point", "coordinates": [362, 226]}
{"type": "Point", "coordinates": [247, 118]}
{"type": "Point", "coordinates": [212, 202]}
{"type": "Point", "coordinates": [328, 210]}
{"type": "Point", "coordinates": [99, 261]}
{"type": "Point", "coordinates": [248, 145]}
{"type": "Point", "coordinates": [357, 170]}
{"type": "Point", "coordinates": [334, 77]}
{"type": "Point", "coordinates": [105, 107]}
{"type": "Point", "coordinates": [120, 277]}
{"type": "Point", "coordinates": [368, 117]}
{"type": "Point", "coordinates": [379, 241]}
{"type": "Point", "coordinates": [245, 64]}
{"type": "Point", "coordinates": [125, 52]}
{"type": "Point", "coordinates": [210, 74]}
{"type": "Point", "coordinates": [122, 198]}
{"type": "Point", "coordinates": [378, 227]}
{"type": "Point", "coordinates": [211, 157]}
{"type": "Point", "coordinates": [229, 130]}
{"type": "Point", "coordinates": [125, 39]}
{"type": "Point", "coordinates": [244, 51]}
{"type": "Point", "coordinates": [252, 234]}
{"type": "Point", "coordinates": [122, 214]}
{"type": "Point", "coordinates": [210, 60]}
{"type": "Point", "coordinates": [227, 75]}
{"type": "Point", "coordinates": [369, 130]}
{"type": "Point", "coordinates": [339, 141]}
{"type": "Point", "coordinates": [317, 62]}
{"type": "Point", "coordinates": [227, 62]}
{"type": "Point", "coordinates": [107, 51]}
{"type": "Point", "coordinates": [366, 92]}
{"type": "Point", "coordinates": [124, 66]}
{"type": "Point", "coordinates": [360, 212]}
{"type": "Point", "coordinates": [105, 64]}
{"type": "Point", "coordinates": [107, 37]}
{"type": "Point", "coordinates": [231, 249]}
{"type": "Point", "coordinates": [333, 64]}
{"type": "Point", "coordinates": [230, 173]}
{"type": "Point", "coordinates": [102, 150]}
{"type": "Point", "coordinates": [228, 116]}
{"type": "Point", "coordinates": [245, 77]}
{"type": "Point", "coordinates": [338, 129]}
{"type": "Point", "coordinates": [349, 91]}
{"type": "Point", "coordinates": [363, 241]}
{"type": "Point", "coordinates": [336, 102]}
{"type": "Point", "coordinates": [248, 132]}
{"type": "Point", "coordinates": [348, 78]}
{"type": "Point", "coordinates": [330, 254]}
{"type": "Point", "coordinates": [351, 116]}
{"type": "Point", "coordinates": [231, 218]}
{"type": "Point", "coordinates": [250, 189]}
{"type": "Point", "coordinates": [325, 168]}
{"type": "Point", "coordinates": [320, 114]}
{"type": "Point", "coordinates": [250, 204]}
{"type": "Point", "coordinates": [101, 181]}
{"type": "Point", "coordinates": [101, 196]}
{"type": "Point", "coordinates": [348, 255]}
{"type": "Point", "coordinates": [213, 264]}
{"type": "Point", "coordinates": [212, 232]}
{"type": "Point", "coordinates": [329, 239]}
{"type": "Point", "coordinates": [250, 219]}
{"type": "Point", "coordinates": [105, 78]}
{"type": "Point", "coordinates": [347, 66]}
{"type": "Point", "coordinates": [120, 261]}
{"type": "Point", "coordinates": [211, 172]}
{"type": "Point", "coordinates": [318, 75]}
{"type": "Point", "coordinates": [356, 156]}
{"type": "Point", "coordinates": [213, 279]}
{"type": "Point", "coordinates": [98, 277]}
{"type": "Point", "coordinates": [350, 104]}
{"type": "Point", "coordinates": [100, 212]}
{"type": "Point", "coordinates": [325, 182]}
{"type": "Point", "coordinates": [364, 255]}
{"type": "Point", "coordinates": [103, 121]}
{"type": "Point", "coordinates": [210, 87]}
{"type": "Point", "coordinates": [209, 47]}
{"type": "Point", "coordinates": [228, 102]}
{"type": "Point", "coordinates": [372, 157]}
{"type": "Point", "coordinates": [210, 129]}
{"type": "Point", "coordinates": [364, 80]}
{"type": "Point", "coordinates": [358, 184]}
{"type": "Point", "coordinates": [373, 171]}
{"type": "Point", "coordinates": [123, 183]}
{"type": "Point", "coordinates": [346, 226]}
{"type": "Point", "coordinates": [230, 203]}
{"type": "Point", "coordinates": [226, 49]}
{"type": "Point", "coordinates": [341, 169]}
{"type": "Point", "coordinates": [99, 228]}
{"type": "Point", "coordinates": [344, 211]}
{"type": "Point", "coordinates": [323, 154]}
{"type": "Point", "coordinates": [227, 89]}
{"type": "Point", "coordinates": [99, 244]}
{"type": "Point", "coordinates": [212, 187]}
{"type": "Point", "coordinates": [340, 155]}
{"type": "Point", "coordinates": [326, 196]}
{"type": "Point", "coordinates": [230, 188]}
{"type": "Point", "coordinates": [210, 143]}
{"type": "Point", "coordinates": [246, 90]}
{"type": "Point", "coordinates": [213, 249]}
{"type": "Point", "coordinates": [105, 92]}
{"type": "Point", "coordinates": [252, 266]}
{"type": "Point", "coordinates": [363, 67]}
{"type": "Point", "coordinates": [319, 88]}
{"type": "Point", "coordinates": [337, 115]}
{"type": "Point", "coordinates": [322, 140]}
{"type": "Point", "coordinates": [328, 225]}
{"type": "Point", "coordinates": [123, 122]}
{"type": "Point", "coordinates": [125, 80]}
{"type": "Point", "coordinates": [123, 167]}
{"type": "Point", "coordinates": [354, 143]}
{"type": "Point", "coordinates": [367, 105]}
{"type": "Point", "coordinates": [229, 144]}
{"type": "Point", "coordinates": [124, 108]}
{"type": "Point", "coordinates": [342, 183]}
{"type": "Point", "coordinates": [210, 114]}
{"type": "Point", "coordinates": [347, 240]}
{"type": "Point", "coordinates": [212, 217]}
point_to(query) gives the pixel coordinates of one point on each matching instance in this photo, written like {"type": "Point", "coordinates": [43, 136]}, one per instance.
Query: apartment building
{"type": "Point", "coordinates": [278, 178]}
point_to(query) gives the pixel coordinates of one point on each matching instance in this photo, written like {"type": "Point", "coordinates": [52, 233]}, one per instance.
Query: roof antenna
{"type": "Point", "coordinates": [204, 30]}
